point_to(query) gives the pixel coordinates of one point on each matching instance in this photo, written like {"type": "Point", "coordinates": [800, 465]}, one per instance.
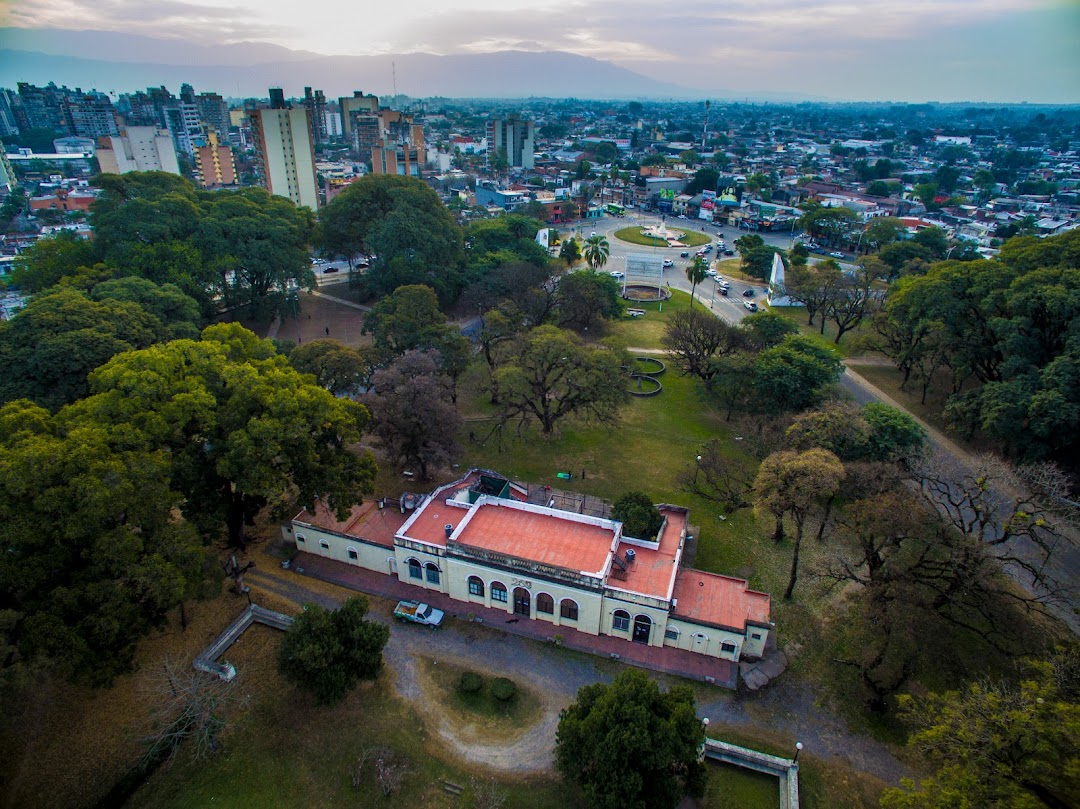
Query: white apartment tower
{"type": "Point", "coordinates": [513, 136]}
{"type": "Point", "coordinates": [286, 154]}
{"type": "Point", "coordinates": [137, 148]}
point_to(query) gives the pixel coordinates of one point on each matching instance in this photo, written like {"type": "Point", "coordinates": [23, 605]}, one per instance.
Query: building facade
{"type": "Point", "coordinates": [479, 540]}
{"type": "Point", "coordinates": [137, 148]}
{"type": "Point", "coordinates": [285, 154]}
{"type": "Point", "coordinates": [215, 165]}
{"type": "Point", "coordinates": [513, 137]}
{"type": "Point", "coordinates": [315, 103]}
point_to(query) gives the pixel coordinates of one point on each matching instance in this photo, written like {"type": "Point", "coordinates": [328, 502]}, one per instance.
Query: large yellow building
{"type": "Point", "coordinates": [286, 154]}
{"type": "Point", "coordinates": [480, 542]}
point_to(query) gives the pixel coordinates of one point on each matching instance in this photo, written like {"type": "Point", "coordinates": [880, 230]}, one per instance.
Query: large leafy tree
{"type": "Point", "coordinates": [696, 339]}
{"type": "Point", "coordinates": [584, 297]}
{"type": "Point", "coordinates": [629, 745]}
{"type": "Point", "coordinates": [93, 554]}
{"type": "Point", "coordinates": [640, 518]}
{"type": "Point", "coordinates": [242, 428]}
{"type": "Point", "coordinates": [327, 651]}
{"type": "Point", "coordinates": [339, 368]}
{"type": "Point", "coordinates": [549, 376]}
{"type": "Point", "coordinates": [794, 375]}
{"type": "Point", "coordinates": [412, 416]}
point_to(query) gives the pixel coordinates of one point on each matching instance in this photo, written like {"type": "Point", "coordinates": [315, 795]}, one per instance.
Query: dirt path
{"type": "Point", "coordinates": [556, 674]}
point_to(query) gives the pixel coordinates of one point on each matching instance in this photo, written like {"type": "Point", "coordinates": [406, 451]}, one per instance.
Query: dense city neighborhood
{"type": "Point", "coordinates": [546, 452]}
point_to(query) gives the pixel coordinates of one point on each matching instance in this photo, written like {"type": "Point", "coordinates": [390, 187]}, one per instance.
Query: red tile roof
{"type": "Point", "coordinates": [652, 571]}
{"type": "Point", "coordinates": [540, 537]}
{"type": "Point", "coordinates": [719, 600]}
{"type": "Point", "coordinates": [365, 521]}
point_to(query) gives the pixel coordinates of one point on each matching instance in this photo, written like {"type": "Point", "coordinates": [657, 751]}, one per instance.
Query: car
{"type": "Point", "coordinates": [711, 272]}
{"type": "Point", "coordinates": [724, 291]}
{"type": "Point", "coordinates": [836, 254]}
{"type": "Point", "coordinates": [729, 252]}
{"type": "Point", "coordinates": [724, 284]}
{"type": "Point", "coordinates": [668, 262]}
{"type": "Point", "coordinates": [616, 274]}
{"type": "Point", "coordinates": [750, 305]}
{"type": "Point", "coordinates": [707, 248]}
{"type": "Point", "coordinates": [684, 254]}
{"type": "Point", "coordinates": [317, 261]}
{"type": "Point", "coordinates": [748, 293]}
{"type": "Point", "coordinates": [330, 269]}
{"type": "Point", "coordinates": [682, 216]}
{"type": "Point", "coordinates": [592, 234]}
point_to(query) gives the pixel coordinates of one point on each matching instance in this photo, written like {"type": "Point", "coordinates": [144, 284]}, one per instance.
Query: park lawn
{"type": "Point", "coordinates": [733, 787]}
{"type": "Point", "coordinates": [634, 236]}
{"type": "Point", "coordinates": [646, 331]}
{"type": "Point", "coordinates": [849, 345]}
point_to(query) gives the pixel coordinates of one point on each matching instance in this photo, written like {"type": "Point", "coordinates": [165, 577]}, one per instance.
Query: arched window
{"type": "Point", "coordinates": [728, 648]}
{"type": "Point", "coordinates": [620, 621]}
{"type": "Point", "coordinates": [642, 628]}
{"type": "Point", "coordinates": [476, 586]}
{"type": "Point", "coordinates": [353, 555]}
{"type": "Point", "coordinates": [545, 604]}
{"type": "Point", "coordinates": [671, 633]}
{"type": "Point", "coordinates": [498, 592]}
{"type": "Point", "coordinates": [568, 610]}
{"type": "Point", "coordinates": [416, 570]}
{"type": "Point", "coordinates": [432, 571]}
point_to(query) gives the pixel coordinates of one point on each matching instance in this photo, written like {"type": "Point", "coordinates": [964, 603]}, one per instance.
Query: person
{"type": "Point", "coordinates": [327, 331]}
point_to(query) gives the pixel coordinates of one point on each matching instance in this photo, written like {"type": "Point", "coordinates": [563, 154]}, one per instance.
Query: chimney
{"type": "Point", "coordinates": [449, 529]}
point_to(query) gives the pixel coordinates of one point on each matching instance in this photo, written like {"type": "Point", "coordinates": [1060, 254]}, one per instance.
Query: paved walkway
{"type": "Point", "coordinates": [671, 661]}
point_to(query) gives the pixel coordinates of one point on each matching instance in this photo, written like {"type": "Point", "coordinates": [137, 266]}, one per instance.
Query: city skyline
{"type": "Point", "coordinates": [956, 50]}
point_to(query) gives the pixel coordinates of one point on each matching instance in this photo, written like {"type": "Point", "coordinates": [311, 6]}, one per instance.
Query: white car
{"type": "Point", "coordinates": [724, 284]}
{"type": "Point", "coordinates": [668, 262]}
{"type": "Point", "coordinates": [750, 305]}
{"type": "Point", "coordinates": [711, 273]}
{"type": "Point", "coordinates": [836, 254]}
{"type": "Point", "coordinates": [616, 274]}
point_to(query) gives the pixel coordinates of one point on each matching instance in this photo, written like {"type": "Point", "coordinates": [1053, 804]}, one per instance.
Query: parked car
{"type": "Point", "coordinates": [418, 613]}
{"type": "Point", "coordinates": [750, 305]}
{"type": "Point", "coordinates": [836, 254]}
{"type": "Point", "coordinates": [616, 274]}
{"type": "Point", "coordinates": [668, 262]}
{"type": "Point", "coordinates": [329, 269]}
{"type": "Point", "coordinates": [748, 293]}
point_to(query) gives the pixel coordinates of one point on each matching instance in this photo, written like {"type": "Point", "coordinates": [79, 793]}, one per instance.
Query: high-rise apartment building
{"type": "Point", "coordinates": [513, 138]}
{"type": "Point", "coordinates": [359, 104]}
{"type": "Point", "coordinates": [214, 112]}
{"type": "Point", "coordinates": [285, 153]}
{"type": "Point", "coordinates": [90, 115]}
{"type": "Point", "coordinates": [41, 107]}
{"type": "Point", "coordinates": [315, 103]}
{"type": "Point", "coordinates": [137, 148]}
{"type": "Point", "coordinates": [183, 122]}
{"type": "Point", "coordinates": [366, 132]}
{"type": "Point", "coordinates": [214, 163]}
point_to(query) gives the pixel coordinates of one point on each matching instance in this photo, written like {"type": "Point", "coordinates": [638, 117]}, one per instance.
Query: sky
{"type": "Point", "coordinates": [977, 50]}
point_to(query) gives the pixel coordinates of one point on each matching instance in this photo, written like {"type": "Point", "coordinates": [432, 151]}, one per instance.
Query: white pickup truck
{"type": "Point", "coordinates": [418, 613]}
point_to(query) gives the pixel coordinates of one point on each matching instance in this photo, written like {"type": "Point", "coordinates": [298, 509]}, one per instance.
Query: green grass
{"type": "Point", "coordinates": [511, 716]}
{"type": "Point", "coordinates": [648, 330]}
{"type": "Point", "coordinates": [733, 787]}
{"type": "Point", "coordinates": [849, 345]}
{"type": "Point", "coordinates": [634, 236]}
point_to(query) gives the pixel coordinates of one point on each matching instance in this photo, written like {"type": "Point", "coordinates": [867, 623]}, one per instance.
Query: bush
{"type": "Point", "coordinates": [503, 689]}
{"type": "Point", "coordinates": [470, 682]}
{"type": "Point", "coordinates": [640, 518]}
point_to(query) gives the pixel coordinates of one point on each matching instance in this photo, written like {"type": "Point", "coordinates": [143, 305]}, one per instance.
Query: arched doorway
{"type": "Point", "coordinates": [642, 628]}
{"type": "Point", "coordinates": [522, 602]}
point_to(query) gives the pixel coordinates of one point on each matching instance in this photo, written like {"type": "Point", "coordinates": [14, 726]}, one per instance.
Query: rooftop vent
{"type": "Point", "coordinates": [449, 529]}
{"type": "Point", "coordinates": [630, 555]}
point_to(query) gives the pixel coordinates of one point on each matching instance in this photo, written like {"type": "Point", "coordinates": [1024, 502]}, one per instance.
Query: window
{"type": "Point", "coordinates": [568, 609]}
{"type": "Point", "coordinates": [621, 621]}
{"type": "Point", "coordinates": [756, 635]}
{"type": "Point", "coordinates": [300, 538]}
{"type": "Point", "coordinates": [545, 604]}
{"type": "Point", "coordinates": [415, 569]}
{"type": "Point", "coordinates": [432, 571]}
{"type": "Point", "coordinates": [476, 586]}
{"type": "Point", "coordinates": [353, 554]}
{"type": "Point", "coordinates": [671, 633]}
{"type": "Point", "coordinates": [498, 592]}
{"type": "Point", "coordinates": [727, 647]}
{"type": "Point", "coordinates": [324, 544]}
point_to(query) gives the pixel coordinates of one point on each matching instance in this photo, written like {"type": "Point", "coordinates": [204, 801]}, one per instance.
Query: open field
{"type": "Point", "coordinates": [634, 236]}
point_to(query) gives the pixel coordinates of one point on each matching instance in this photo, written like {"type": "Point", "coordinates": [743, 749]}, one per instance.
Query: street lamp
{"type": "Point", "coordinates": [697, 469]}
{"type": "Point", "coordinates": [798, 749]}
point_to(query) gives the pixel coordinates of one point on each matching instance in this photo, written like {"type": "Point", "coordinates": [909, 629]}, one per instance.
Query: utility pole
{"type": "Point", "coordinates": [705, 128]}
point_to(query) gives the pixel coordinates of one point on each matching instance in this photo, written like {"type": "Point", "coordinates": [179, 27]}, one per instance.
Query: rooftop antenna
{"type": "Point", "coordinates": [393, 68]}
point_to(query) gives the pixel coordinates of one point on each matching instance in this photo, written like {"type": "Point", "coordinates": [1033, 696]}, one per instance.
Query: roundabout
{"type": "Point", "coordinates": [660, 236]}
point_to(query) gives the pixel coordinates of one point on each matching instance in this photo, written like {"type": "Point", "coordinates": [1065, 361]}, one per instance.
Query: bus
{"type": "Point", "coordinates": [615, 209]}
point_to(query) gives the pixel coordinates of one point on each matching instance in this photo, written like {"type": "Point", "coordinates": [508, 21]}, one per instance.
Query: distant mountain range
{"type": "Point", "coordinates": [113, 62]}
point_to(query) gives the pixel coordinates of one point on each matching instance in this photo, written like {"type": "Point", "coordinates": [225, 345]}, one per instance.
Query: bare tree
{"type": "Point", "coordinates": [189, 706]}
{"type": "Point", "coordinates": [720, 478]}
{"type": "Point", "coordinates": [388, 768]}
{"type": "Point", "coordinates": [696, 338]}
{"type": "Point", "coordinates": [487, 794]}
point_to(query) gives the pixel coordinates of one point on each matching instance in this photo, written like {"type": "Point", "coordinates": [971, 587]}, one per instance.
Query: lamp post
{"type": "Point", "coordinates": [798, 749]}
{"type": "Point", "coordinates": [697, 469]}
{"type": "Point", "coordinates": [704, 730]}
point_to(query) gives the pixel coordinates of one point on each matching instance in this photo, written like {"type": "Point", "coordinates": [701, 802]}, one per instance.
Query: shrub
{"type": "Point", "coordinates": [640, 518]}
{"type": "Point", "coordinates": [503, 689]}
{"type": "Point", "coordinates": [470, 682]}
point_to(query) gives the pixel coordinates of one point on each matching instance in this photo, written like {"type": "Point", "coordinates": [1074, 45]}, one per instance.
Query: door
{"type": "Point", "coordinates": [642, 628]}
{"type": "Point", "coordinates": [522, 602]}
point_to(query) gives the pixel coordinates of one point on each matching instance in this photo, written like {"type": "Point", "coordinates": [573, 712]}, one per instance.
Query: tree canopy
{"type": "Point", "coordinates": [640, 518]}
{"type": "Point", "coordinates": [629, 745]}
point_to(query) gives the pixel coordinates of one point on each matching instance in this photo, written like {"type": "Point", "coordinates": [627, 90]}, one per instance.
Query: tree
{"type": "Point", "coordinates": [814, 286]}
{"type": "Point", "coordinates": [651, 738]}
{"type": "Point", "coordinates": [744, 244]}
{"type": "Point", "coordinates": [880, 188]}
{"type": "Point", "coordinates": [854, 296]}
{"type": "Point", "coordinates": [881, 231]}
{"type": "Point", "coordinates": [793, 483]}
{"type": "Point", "coordinates": [597, 251]}
{"type": "Point", "coordinates": [996, 744]}
{"type": "Point", "coordinates": [926, 193]}
{"type": "Point", "coordinates": [934, 240]}
{"type": "Point", "coordinates": [411, 413]}
{"type": "Point", "coordinates": [640, 518]}
{"type": "Point", "coordinates": [757, 263]}
{"type": "Point", "coordinates": [766, 329]}
{"type": "Point", "coordinates": [697, 338]}
{"type": "Point", "coordinates": [898, 254]}
{"type": "Point", "coordinates": [327, 651]}
{"type": "Point", "coordinates": [838, 427]}
{"type": "Point", "coordinates": [240, 428]}
{"type": "Point", "coordinates": [570, 252]}
{"type": "Point", "coordinates": [696, 272]}
{"type": "Point", "coordinates": [49, 260]}
{"type": "Point", "coordinates": [793, 375]}
{"type": "Point", "coordinates": [894, 433]}
{"type": "Point", "coordinates": [195, 706]}
{"type": "Point", "coordinates": [94, 557]}
{"type": "Point", "coordinates": [584, 297]}
{"type": "Point", "coordinates": [548, 376]}
{"type": "Point", "coordinates": [337, 367]}
{"type": "Point", "coordinates": [720, 478]}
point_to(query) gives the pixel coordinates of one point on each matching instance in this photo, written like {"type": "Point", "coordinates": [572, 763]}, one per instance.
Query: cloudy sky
{"type": "Point", "coordinates": [993, 50]}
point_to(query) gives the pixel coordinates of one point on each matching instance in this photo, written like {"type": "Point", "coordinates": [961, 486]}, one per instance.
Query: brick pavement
{"type": "Point", "coordinates": [670, 661]}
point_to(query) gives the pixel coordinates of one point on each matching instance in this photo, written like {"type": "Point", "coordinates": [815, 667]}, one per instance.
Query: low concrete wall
{"type": "Point", "coordinates": [207, 659]}
{"type": "Point", "coordinates": [785, 770]}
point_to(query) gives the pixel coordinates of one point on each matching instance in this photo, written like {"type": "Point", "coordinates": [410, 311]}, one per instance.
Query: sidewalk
{"type": "Point", "coordinates": [670, 661]}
